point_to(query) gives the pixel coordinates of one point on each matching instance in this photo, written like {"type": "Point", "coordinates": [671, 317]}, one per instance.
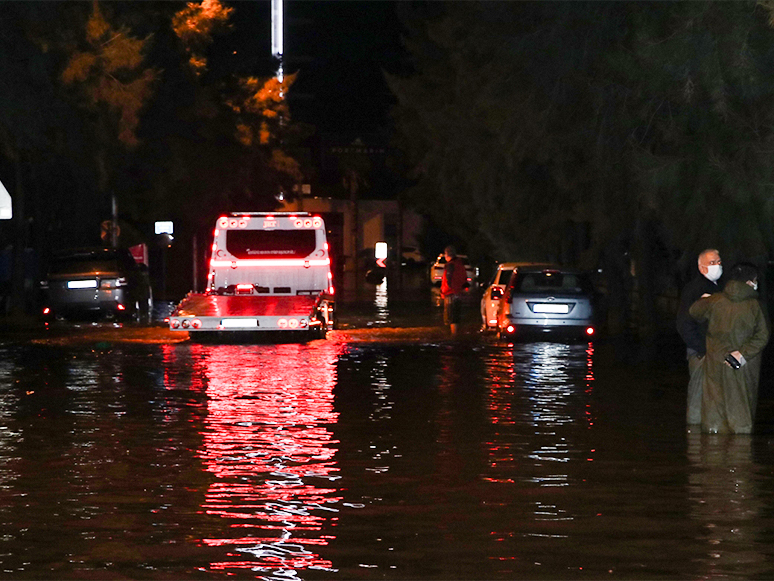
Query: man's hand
{"type": "Point", "coordinates": [738, 356]}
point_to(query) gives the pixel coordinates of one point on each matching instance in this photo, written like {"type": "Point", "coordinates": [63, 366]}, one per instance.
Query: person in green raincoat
{"type": "Point", "coordinates": [737, 327]}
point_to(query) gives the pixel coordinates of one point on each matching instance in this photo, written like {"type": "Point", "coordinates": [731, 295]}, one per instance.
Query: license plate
{"type": "Point", "coordinates": [550, 308]}
{"type": "Point", "coordinates": [81, 284]}
{"type": "Point", "coordinates": [239, 323]}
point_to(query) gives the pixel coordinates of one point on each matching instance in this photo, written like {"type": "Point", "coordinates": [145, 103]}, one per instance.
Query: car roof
{"type": "Point", "coordinates": [513, 264]}
{"type": "Point", "coordinates": [89, 252]}
{"type": "Point", "coordinates": [543, 266]}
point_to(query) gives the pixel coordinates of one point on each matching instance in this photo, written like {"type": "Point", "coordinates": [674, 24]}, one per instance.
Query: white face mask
{"type": "Point", "coordinates": [714, 272]}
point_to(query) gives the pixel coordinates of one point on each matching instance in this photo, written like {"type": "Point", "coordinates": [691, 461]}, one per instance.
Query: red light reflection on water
{"type": "Point", "coordinates": [266, 441]}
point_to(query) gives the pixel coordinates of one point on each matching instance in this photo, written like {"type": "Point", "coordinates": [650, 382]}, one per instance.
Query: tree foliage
{"type": "Point", "coordinates": [633, 134]}
{"type": "Point", "coordinates": [130, 87]}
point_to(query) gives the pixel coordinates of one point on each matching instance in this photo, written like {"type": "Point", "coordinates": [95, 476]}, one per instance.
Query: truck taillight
{"type": "Point", "coordinates": [314, 222]}
{"type": "Point", "coordinates": [244, 288]}
{"type": "Point", "coordinates": [175, 323]}
{"type": "Point", "coordinates": [230, 223]}
{"type": "Point", "coordinates": [196, 324]}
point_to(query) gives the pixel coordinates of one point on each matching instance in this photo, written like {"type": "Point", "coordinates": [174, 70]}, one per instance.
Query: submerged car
{"type": "Point", "coordinates": [436, 270]}
{"type": "Point", "coordinates": [545, 299]}
{"type": "Point", "coordinates": [97, 282]}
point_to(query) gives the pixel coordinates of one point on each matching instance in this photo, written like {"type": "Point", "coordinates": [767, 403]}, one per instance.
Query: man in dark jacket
{"type": "Point", "coordinates": [693, 332]}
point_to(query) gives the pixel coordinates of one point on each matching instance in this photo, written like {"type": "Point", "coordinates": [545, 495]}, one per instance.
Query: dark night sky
{"type": "Point", "coordinates": [338, 48]}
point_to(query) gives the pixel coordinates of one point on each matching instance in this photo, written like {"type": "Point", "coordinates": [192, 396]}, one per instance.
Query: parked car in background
{"type": "Point", "coordinates": [493, 294]}
{"type": "Point", "coordinates": [97, 282]}
{"type": "Point", "coordinates": [436, 271]}
{"type": "Point", "coordinates": [547, 299]}
{"type": "Point", "coordinates": [411, 256]}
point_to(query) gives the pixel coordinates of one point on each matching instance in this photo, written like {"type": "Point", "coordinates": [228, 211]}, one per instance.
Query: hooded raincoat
{"type": "Point", "coordinates": [735, 323]}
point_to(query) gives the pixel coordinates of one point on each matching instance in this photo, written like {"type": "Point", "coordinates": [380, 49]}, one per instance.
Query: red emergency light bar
{"type": "Point", "coordinates": [269, 221]}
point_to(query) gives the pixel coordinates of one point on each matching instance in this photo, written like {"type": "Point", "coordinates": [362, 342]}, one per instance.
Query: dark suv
{"type": "Point", "coordinates": [97, 282]}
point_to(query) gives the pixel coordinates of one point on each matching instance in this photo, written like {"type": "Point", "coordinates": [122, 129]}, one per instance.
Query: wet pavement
{"type": "Point", "coordinates": [389, 450]}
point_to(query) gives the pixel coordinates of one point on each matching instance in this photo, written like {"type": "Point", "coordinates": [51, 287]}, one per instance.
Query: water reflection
{"type": "Point", "coordinates": [725, 499]}
{"type": "Point", "coordinates": [267, 441]}
{"type": "Point", "coordinates": [382, 314]}
{"type": "Point", "coordinates": [539, 401]}
{"type": "Point", "coordinates": [538, 386]}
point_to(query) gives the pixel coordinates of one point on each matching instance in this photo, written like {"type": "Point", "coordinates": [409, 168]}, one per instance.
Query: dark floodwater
{"type": "Point", "coordinates": [361, 460]}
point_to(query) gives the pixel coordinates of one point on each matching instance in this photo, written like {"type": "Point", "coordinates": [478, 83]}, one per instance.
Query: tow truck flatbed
{"type": "Point", "coordinates": [197, 305]}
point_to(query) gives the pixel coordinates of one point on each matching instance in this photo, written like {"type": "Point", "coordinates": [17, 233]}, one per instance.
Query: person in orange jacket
{"type": "Point", "coordinates": [453, 285]}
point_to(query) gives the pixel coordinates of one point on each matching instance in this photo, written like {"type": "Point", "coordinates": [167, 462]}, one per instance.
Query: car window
{"type": "Point", "coordinates": [503, 276]}
{"type": "Point", "coordinates": [98, 261]}
{"type": "Point", "coordinates": [271, 243]}
{"type": "Point", "coordinates": [551, 282]}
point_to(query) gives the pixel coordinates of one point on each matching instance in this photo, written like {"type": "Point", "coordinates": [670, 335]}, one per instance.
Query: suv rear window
{"type": "Point", "coordinates": [551, 282]}
{"type": "Point", "coordinates": [271, 243]}
{"type": "Point", "coordinates": [92, 262]}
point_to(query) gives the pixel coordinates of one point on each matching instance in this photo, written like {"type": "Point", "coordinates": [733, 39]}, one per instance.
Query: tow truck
{"type": "Point", "coordinates": [268, 273]}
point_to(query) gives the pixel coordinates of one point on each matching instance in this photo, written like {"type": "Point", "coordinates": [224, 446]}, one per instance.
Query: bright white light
{"type": "Point", "coordinates": [6, 205]}
{"type": "Point", "coordinates": [166, 227]}
{"type": "Point", "coordinates": [239, 323]}
{"type": "Point", "coordinates": [276, 28]}
{"type": "Point", "coordinates": [380, 250]}
{"type": "Point", "coordinates": [82, 284]}
{"type": "Point", "coordinates": [549, 308]}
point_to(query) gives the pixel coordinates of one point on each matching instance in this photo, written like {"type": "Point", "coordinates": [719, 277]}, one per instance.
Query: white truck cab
{"type": "Point", "coordinates": [270, 254]}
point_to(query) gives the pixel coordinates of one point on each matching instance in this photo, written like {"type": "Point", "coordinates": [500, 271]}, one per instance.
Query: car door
{"type": "Point", "coordinates": [493, 295]}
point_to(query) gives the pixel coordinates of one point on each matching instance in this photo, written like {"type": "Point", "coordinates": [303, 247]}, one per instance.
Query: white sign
{"type": "Point", "coordinates": [165, 228]}
{"type": "Point", "coordinates": [6, 206]}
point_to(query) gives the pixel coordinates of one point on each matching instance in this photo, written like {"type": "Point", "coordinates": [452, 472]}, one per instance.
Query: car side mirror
{"type": "Point", "coordinates": [497, 293]}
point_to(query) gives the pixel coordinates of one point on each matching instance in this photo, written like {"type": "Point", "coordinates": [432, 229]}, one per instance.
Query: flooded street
{"type": "Point", "coordinates": [373, 454]}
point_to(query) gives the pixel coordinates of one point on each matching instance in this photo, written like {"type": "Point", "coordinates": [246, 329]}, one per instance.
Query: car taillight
{"type": "Point", "coordinates": [120, 307]}
{"type": "Point", "coordinates": [589, 331]}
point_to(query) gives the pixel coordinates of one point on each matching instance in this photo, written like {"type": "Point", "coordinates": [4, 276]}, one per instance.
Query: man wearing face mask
{"type": "Point", "coordinates": [694, 333]}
